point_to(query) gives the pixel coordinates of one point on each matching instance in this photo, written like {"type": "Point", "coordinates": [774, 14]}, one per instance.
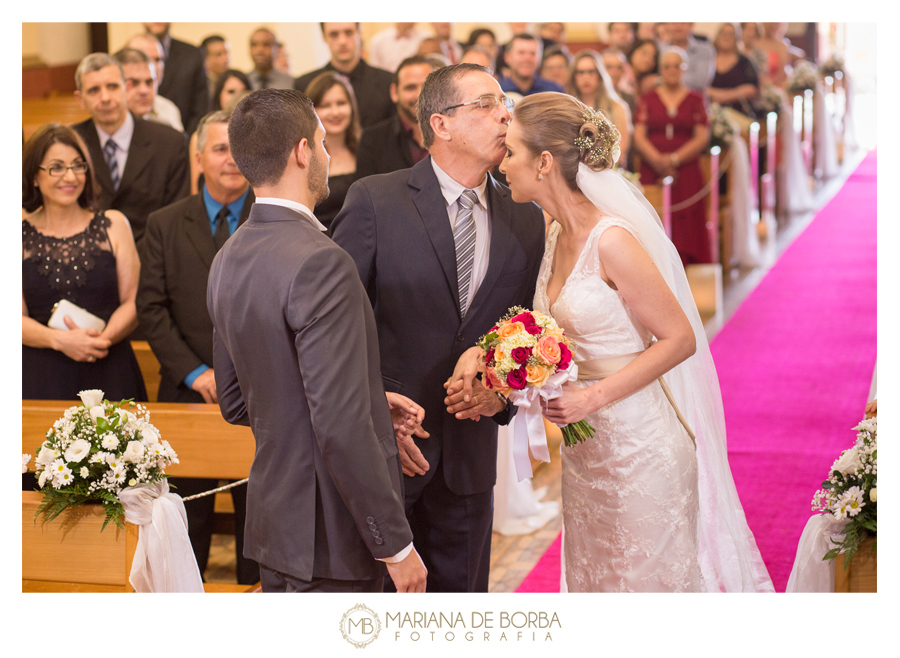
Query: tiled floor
{"type": "Point", "coordinates": [513, 557]}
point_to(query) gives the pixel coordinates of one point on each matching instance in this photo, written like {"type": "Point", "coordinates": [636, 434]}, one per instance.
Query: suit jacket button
{"type": "Point", "coordinates": [376, 533]}
{"type": "Point", "coordinates": [379, 540]}
{"type": "Point", "coordinates": [372, 526]}
{"type": "Point", "coordinates": [370, 520]}
{"type": "Point", "coordinates": [460, 338]}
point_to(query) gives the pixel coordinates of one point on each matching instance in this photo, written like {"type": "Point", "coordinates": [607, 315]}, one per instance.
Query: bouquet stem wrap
{"type": "Point", "coordinates": [164, 560]}
{"type": "Point", "coordinates": [528, 424]}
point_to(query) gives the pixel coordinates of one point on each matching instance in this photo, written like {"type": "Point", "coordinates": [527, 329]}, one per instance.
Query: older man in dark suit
{"type": "Point", "coordinates": [397, 142]}
{"type": "Point", "coordinates": [177, 251]}
{"type": "Point", "coordinates": [184, 78]}
{"type": "Point", "coordinates": [443, 252]}
{"type": "Point", "coordinates": [296, 358]}
{"type": "Point", "coordinates": [140, 165]}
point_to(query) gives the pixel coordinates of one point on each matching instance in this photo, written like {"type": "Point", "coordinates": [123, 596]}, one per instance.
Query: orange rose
{"type": "Point", "coordinates": [495, 382]}
{"type": "Point", "coordinates": [548, 349]}
{"type": "Point", "coordinates": [537, 375]}
{"type": "Point", "coordinates": [511, 329]}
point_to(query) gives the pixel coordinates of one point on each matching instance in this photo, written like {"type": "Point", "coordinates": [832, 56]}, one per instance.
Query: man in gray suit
{"type": "Point", "coordinates": [296, 358]}
{"type": "Point", "coordinates": [443, 251]}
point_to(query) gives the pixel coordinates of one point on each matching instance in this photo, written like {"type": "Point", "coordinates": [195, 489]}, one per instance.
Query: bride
{"type": "Point", "coordinates": [649, 503]}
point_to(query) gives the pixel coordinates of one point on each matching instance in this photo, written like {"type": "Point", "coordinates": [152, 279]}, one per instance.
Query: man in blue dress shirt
{"type": "Point", "coordinates": [523, 56]}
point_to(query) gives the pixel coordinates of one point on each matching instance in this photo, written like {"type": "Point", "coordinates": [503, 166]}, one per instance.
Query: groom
{"type": "Point", "coordinates": [295, 354]}
{"type": "Point", "coordinates": [443, 252]}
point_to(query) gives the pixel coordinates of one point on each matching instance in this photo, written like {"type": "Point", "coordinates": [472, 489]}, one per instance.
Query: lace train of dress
{"type": "Point", "coordinates": [630, 494]}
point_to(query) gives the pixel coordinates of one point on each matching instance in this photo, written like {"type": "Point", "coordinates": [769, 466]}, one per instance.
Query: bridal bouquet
{"type": "Point", "coordinates": [94, 451]}
{"type": "Point", "coordinates": [850, 494]}
{"type": "Point", "coordinates": [527, 356]}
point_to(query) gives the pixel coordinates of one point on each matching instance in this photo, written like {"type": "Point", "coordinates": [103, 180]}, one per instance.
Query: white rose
{"type": "Point", "coordinates": [47, 455]}
{"type": "Point", "coordinates": [149, 436]}
{"type": "Point", "coordinates": [97, 412]}
{"type": "Point", "coordinates": [78, 450]}
{"type": "Point", "coordinates": [123, 415]}
{"type": "Point", "coordinates": [134, 452]}
{"type": "Point", "coordinates": [45, 475]}
{"type": "Point", "coordinates": [848, 462]}
{"type": "Point", "coordinates": [873, 494]}
{"type": "Point", "coordinates": [91, 398]}
{"type": "Point", "coordinates": [25, 460]}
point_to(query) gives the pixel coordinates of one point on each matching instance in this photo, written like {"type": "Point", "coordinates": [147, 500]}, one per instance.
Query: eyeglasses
{"type": "Point", "coordinates": [487, 102]}
{"type": "Point", "coordinates": [586, 72]}
{"type": "Point", "coordinates": [58, 170]}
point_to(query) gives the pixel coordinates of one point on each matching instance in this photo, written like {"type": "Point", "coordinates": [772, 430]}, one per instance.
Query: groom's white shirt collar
{"type": "Point", "coordinates": [293, 205]}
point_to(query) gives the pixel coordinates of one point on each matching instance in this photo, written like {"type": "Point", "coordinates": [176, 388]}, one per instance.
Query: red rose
{"type": "Point", "coordinates": [534, 330]}
{"type": "Point", "coordinates": [517, 379]}
{"type": "Point", "coordinates": [489, 357]}
{"type": "Point", "coordinates": [565, 357]}
{"type": "Point", "coordinates": [525, 318]}
{"type": "Point", "coordinates": [520, 355]}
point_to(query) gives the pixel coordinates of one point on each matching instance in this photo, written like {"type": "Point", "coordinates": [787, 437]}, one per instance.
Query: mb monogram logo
{"type": "Point", "coordinates": [360, 626]}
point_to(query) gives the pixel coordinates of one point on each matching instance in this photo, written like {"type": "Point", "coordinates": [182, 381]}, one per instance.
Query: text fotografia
{"type": "Point", "coordinates": [479, 626]}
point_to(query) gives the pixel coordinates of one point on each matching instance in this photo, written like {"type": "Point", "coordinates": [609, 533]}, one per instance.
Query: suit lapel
{"type": "Point", "coordinates": [92, 141]}
{"type": "Point", "coordinates": [140, 153]}
{"type": "Point", "coordinates": [199, 231]}
{"type": "Point", "coordinates": [499, 207]}
{"type": "Point", "coordinates": [432, 209]}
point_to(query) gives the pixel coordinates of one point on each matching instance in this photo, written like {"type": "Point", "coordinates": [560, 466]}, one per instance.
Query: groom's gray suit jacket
{"type": "Point", "coordinates": [296, 358]}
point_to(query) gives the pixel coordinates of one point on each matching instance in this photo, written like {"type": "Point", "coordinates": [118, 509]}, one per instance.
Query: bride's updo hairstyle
{"type": "Point", "coordinates": [570, 130]}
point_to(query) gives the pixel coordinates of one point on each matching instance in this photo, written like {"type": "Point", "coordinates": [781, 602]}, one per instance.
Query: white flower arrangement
{"type": "Point", "coordinates": [803, 77]}
{"type": "Point", "coordinates": [722, 131]}
{"type": "Point", "coordinates": [850, 494]}
{"type": "Point", "coordinates": [769, 100]}
{"type": "Point", "coordinates": [833, 64]}
{"type": "Point", "coordinates": [93, 450]}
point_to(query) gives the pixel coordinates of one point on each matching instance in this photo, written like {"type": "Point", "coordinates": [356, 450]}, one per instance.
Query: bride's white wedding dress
{"type": "Point", "coordinates": [643, 508]}
{"type": "Point", "coordinates": [630, 500]}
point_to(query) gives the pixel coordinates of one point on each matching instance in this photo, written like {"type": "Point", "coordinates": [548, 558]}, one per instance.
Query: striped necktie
{"type": "Point", "coordinates": [464, 237]}
{"type": "Point", "coordinates": [109, 154]}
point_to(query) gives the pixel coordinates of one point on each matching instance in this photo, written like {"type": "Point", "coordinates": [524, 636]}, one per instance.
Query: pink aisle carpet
{"type": "Point", "coordinates": [795, 365]}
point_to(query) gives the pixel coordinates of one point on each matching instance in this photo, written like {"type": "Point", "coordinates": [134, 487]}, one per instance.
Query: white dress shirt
{"type": "Point", "coordinates": [452, 191]}
{"type": "Point", "coordinates": [299, 207]}
{"type": "Point", "coordinates": [387, 48]}
{"type": "Point", "coordinates": [166, 112]}
{"type": "Point", "coordinates": [122, 138]}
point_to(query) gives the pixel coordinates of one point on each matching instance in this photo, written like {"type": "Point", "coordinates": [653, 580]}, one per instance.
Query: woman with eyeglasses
{"type": "Point", "coordinates": [74, 252]}
{"type": "Point", "coordinates": [590, 83]}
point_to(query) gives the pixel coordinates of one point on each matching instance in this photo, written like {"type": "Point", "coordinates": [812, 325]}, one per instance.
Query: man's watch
{"type": "Point", "coordinates": [504, 398]}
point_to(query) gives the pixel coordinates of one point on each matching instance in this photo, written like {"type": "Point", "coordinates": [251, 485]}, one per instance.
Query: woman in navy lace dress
{"type": "Point", "coordinates": [71, 251]}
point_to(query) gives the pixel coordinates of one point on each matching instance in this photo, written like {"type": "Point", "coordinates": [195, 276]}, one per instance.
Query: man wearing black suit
{"type": "Point", "coordinates": [443, 252]}
{"type": "Point", "coordinates": [371, 85]}
{"type": "Point", "coordinates": [296, 358]}
{"type": "Point", "coordinates": [177, 251]}
{"type": "Point", "coordinates": [396, 143]}
{"type": "Point", "coordinates": [140, 165]}
{"type": "Point", "coordinates": [184, 78]}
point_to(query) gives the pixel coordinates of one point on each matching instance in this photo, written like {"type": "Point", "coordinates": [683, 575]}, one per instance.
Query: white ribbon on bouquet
{"type": "Point", "coordinates": [528, 424]}
{"type": "Point", "coordinates": [164, 560]}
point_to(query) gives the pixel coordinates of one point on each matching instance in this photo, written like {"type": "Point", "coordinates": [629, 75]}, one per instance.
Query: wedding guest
{"type": "Point", "coordinates": [392, 45]}
{"type": "Point", "coordinates": [282, 60]}
{"type": "Point", "coordinates": [671, 130]}
{"type": "Point", "coordinates": [736, 82]}
{"type": "Point", "coordinates": [450, 47]}
{"type": "Point", "coordinates": [555, 66]}
{"type": "Point", "coordinates": [335, 105]}
{"type": "Point", "coordinates": [645, 31]}
{"type": "Point", "coordinates": [216, 52]}
{"type": "Point", "coordinates": [230, 84]}
{"type": "Point", "coordinates": [523, 54]}
{"type": "Point", "coordinates": [370, 84]}
{"type": "Point", "coordinates": [181, 241]}
{"type": "Point", "coordinates": [591, 84]}
{"type": "Point", "coordinates": [621, 36]}
{"type": "Point", "coordinates": [779, 52]}
{"type": "Point", "coordinates": [552, 34]}
{"type": "Point", "coordinates": [183, 79]}
{"type": "Point", "coordinates": [479, 55]}
{"type": "Point", "coordinates": [73, 251]}
{"type": "Point", "coordinates": [484, 37]}
{"type": "Point", "coordinates": [750, 34]}
{"type": "Point", "coordinates": [140, 90]}
{"type": "Point", "coordinates": [140, 165]}
{"type": "Point", "coordinates": [620, 73]}
{"type": "Point", "coordinates": [398, 142]}
{"type": "Point", "coordinates": [264, 51]}
{"type": "Point", "coordinates": [644, 61]}
{"type": "Point", "coordinates": [701, 56]}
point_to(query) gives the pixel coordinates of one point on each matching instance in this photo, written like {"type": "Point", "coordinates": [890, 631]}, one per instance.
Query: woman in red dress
{"type": "Point", "coordinates": [671, 130]}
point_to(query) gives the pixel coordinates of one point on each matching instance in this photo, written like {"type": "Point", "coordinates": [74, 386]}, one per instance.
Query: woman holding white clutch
{"type": "Point", "coordinates": [83, 265]}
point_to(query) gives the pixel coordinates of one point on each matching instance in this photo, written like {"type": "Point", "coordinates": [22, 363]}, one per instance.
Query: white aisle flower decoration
{"type": "Point", "coordinates": [850, 495]}
{"type": "Point", "coordinates": [93, 451]}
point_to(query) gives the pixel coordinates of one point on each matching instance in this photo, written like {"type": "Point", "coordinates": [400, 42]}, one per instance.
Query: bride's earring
{"type": "Point", "coordinates": [540, 175]}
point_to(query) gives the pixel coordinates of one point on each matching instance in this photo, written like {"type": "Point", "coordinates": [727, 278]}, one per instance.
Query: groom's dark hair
{"type": "Point", "coordinates": [439, 92]}
{"type": "Point", "coordinates": [265, 127]}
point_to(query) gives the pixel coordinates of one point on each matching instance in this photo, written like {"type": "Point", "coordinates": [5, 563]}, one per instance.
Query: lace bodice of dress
{"type": "Point", "coordinates": [592, 314]}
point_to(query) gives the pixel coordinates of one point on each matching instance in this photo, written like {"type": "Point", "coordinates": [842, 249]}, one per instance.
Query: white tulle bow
{"type": "Point", "coordinates": [164, 560]}
{"type": "Point", "coordinates": [528, 424]}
